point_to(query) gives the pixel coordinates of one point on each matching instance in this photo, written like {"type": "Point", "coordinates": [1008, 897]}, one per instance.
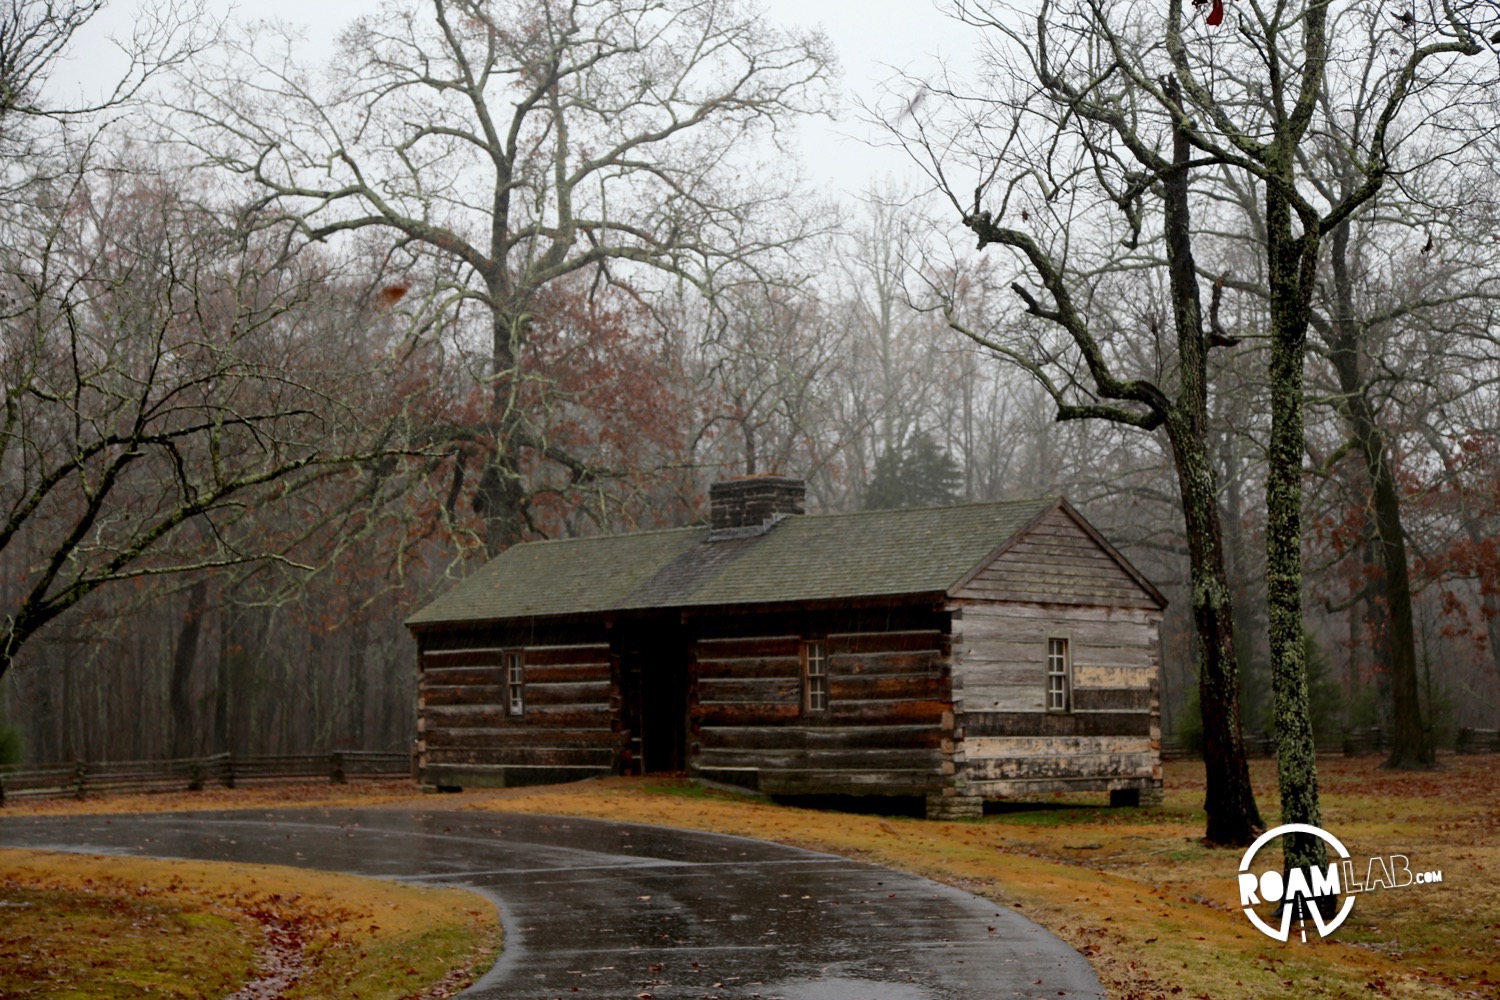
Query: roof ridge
{"type": "Point", "coordinates": [819, 514]}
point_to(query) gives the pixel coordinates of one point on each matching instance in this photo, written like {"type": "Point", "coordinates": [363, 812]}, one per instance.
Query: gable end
{"type": "Point", "coordinates": [1059, 558]}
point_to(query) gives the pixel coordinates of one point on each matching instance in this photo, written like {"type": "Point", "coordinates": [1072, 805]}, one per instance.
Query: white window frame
{"type": "Point", "coordinates": [515, 682]}
{"type": "Point", "coordinates": [1059, 694]}
{"type": "Point", "coordinates": [814, 677]}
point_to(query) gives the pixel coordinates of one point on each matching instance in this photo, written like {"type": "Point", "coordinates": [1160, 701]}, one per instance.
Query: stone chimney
{"type": "Point", "coordinates": [753, 502]}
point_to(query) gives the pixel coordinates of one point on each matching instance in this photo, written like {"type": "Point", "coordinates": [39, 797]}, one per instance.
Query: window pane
{"type": "Point", "coordinates": [1058, 678]}
{"type": "Point", "coordinates": [515, 682]}
{"type": "Point", "coordinates": [815, 683]}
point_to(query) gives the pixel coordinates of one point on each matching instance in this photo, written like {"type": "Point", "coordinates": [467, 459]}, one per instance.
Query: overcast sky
{"type": "Point", "coordinates": [874, 39]}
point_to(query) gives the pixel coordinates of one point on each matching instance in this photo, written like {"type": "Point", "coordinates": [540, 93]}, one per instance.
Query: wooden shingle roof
{"type": "Point", "coordinates": [816, 557]}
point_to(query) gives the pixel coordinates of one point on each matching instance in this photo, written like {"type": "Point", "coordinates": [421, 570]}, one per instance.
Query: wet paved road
{"type": "Point", "coordinates": [594, 909]}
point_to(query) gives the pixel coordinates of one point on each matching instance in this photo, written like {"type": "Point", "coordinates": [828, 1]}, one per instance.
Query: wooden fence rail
{"type": "Point", "coordinates": [82, 778]}
{"type": "Point", "coordinates": [1350, 742]}
{"type": "Point", "coordinates": [1478, 741]}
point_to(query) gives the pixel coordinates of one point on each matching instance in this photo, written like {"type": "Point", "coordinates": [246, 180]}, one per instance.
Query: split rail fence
{"type": "Point", "coordinates": [1352, 743]}
{"type": "Point", "coordinates": [82, 778]}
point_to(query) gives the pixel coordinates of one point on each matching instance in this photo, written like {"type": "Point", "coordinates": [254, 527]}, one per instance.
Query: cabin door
{"type": "Point", "coordinates": [654, 702]}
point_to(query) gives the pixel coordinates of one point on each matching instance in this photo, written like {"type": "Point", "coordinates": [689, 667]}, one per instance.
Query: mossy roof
{"type": "Point", "coordinates": [807, 557]}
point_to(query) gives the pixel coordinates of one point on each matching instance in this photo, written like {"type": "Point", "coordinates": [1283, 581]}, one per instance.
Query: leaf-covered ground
{"type": "Point", "coordinates": [82, 926]}
{"type": "Point", "coordinates": [1133, 889]}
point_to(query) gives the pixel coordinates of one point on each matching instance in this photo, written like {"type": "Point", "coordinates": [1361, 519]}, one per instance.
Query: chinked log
{"type": "Point", "coordinates": [1097, 673]}
{"type": "Point", "coordinates": [542, 716]}
{"type": "Point", "coordinates": [591, 692]}
{"type": "Point", "coordinates": [732, 714]}
{"type": "Point", "coordinates": [1113, 699]}
{"type": "Point", "coordinates": [849, 782]}
{"type": "Point", "coordinates": [918, 687]}
{"type": "Point", "coordinates": [520, 736]}
{"type": "Point", "coordinates": [750, 668]}
{"type": "Point", "coordinates": [1077, 765]}
{"type": "Point", "coordinates": [910, 760]}
{"type": "Point", "coordinates": [571, 673]}
{"type": "Point", "coordinates": [1060, 724]}
{"type": "Point", "coordinates": [480, 676]}
{"type": "Point", "coordinates": [540, 756]}
{"type": "Point", "coordinates": [469, 694]}
{"type": "Point", "coordinates": [884, 642]}
{"type": "Point", "coordinates": [770, 691]}
{"type": "Point", "coordinates": [736, 649]}
{"type": "Point", "coordinates": [1053, 746]}
{"type": "Point", "coordinates": [544, 656]}
{"type": "Point", "coordinates": [822, 737]}
{"type": "Point", "coordinates": [588, 693]}
{"type": "Point", "coordinates": [464, 676]}
{"type": "Point", "coordinates": [446, 658]}
{"type": "Point", "coordinates": [874, 664]}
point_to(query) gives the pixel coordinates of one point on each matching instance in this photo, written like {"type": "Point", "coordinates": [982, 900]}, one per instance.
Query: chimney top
{"type": "Point", "coordinates": [745, 506]}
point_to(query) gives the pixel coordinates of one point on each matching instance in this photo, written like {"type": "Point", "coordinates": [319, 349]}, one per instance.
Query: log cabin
{"type": "Point", "coordinates": [961, 653]}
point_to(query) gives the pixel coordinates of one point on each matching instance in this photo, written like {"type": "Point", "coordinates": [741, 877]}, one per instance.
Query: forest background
{"type": "Point", "coordinates": [289, 349]}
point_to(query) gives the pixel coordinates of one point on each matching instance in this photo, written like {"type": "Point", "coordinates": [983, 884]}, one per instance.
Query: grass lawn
{"type": "Point", "coordinates": [1155, 911]}
{"type": "Point", "coordinates": [81, 926]}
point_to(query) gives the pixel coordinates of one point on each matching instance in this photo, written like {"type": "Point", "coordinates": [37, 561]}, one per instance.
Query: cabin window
{"type": "Point", "coordinates": [515, 683]}
{"type": "Point", "coordinates": [1059, 676]}
{"type": "Point", "coordinates": [814, 676]}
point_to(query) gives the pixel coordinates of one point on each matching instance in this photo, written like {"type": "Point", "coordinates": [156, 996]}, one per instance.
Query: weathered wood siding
{"type": "Point", "coordinates": [888, 710]}
{"type": "Point", "coordinates": [466, 735]}
{"type": "Point", "coordinates": [1007, 743]}
{"type": "Point", "coordinates": [1056, 562]}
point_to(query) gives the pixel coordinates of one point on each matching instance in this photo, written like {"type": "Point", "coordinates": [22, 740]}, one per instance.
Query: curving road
{"type": "Point", "coordinates": [596, 909]}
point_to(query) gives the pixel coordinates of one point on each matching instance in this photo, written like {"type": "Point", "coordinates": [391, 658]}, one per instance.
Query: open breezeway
{"type": "Point", "coordinates": [616, 910]}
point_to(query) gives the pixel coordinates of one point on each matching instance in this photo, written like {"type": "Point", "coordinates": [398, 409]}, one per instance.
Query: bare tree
{"type": "Point", "coordinates": [520, 143]}
{"type": "Point", "coordinates": [1068, 127]}
{"type": "Point", "coordinates": [1243, 101]}
{"type": "Point", "coordinates": [767, 361]}
{"type": "Point", "coordinates": [153, 379]}
{"type": "Point", "coordinates": [34, 34]}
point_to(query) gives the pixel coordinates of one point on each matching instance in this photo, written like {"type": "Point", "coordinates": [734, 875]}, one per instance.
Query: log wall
{"type": "Point", "coordinates": [883, 732]}
{"type": "Point", "coordinates": [466, 735]}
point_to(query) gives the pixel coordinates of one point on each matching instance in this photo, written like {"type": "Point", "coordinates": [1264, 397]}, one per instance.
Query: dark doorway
{"type": "Point", "coordinates": [654, 694]}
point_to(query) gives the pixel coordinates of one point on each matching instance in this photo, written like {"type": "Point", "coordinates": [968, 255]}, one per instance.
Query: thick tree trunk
{"type": "Point", "coordinates": [1411, 742]}
{"type": "Point", "coordinates": [1229, 799]}
{"type": "Point", "coordinates": [180, 693]}
{"type": "Point", "coordinates": [1292, 270]}
{"type": "Point", "coordinates": [1233, 817]}
{"type": "Point", "coordinates": [500, 496]}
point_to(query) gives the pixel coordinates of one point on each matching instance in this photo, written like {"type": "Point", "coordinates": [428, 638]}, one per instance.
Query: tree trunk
{"type": "Point", "coordinates": [1292, 263]}
{"type": "Point", "coordinates": [180, 694]}
{"type": "Point", "coordinates": [500, 497]}
{"type": "Point", "coordinates": [360, 688]}
{"type": "Point", "coordinates": [1229, 800]}
{"type": "Point", "coordinates": [223, 741]}
{"type": "Point", "coordinates": [1411, 742]}
{"type": "Point", "coordinates": [1233, 817]}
